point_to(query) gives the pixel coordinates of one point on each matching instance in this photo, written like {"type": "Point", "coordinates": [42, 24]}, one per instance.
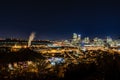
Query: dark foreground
{"type": "Point", "coordinates": [96, 65]}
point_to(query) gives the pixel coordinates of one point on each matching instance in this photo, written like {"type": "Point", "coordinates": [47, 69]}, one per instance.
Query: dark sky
{"type": "Point", "coordinates": [58, 20]}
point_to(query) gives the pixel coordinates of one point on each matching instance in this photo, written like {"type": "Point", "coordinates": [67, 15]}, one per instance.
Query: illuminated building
{"type": "Point", "coordinates": [74, 36]}
{"type": "Point", "coordinates": [98, 42]}
{"type": "Point", "coordinates": [86, 40]}
{"type": "Point", "coordinates": [79, 38]}
{"type": "Point", "coordinates": [67, 43]}
{"type": "Point", "coordinates": [109, 39]}
{"type": "Point", "coordinates": [76, 39]}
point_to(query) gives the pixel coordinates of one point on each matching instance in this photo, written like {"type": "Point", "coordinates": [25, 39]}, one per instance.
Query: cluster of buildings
{"type": "Point", "coordinates": [76, 41]}
{"type": "Point", "coordinates": [108, 42]}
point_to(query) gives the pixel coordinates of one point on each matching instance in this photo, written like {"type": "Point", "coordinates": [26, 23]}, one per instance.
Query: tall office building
{"type": "Point", "coordinates": [76, 39]}
{"type": "Point", "coordinates": [79, 38]}
{"type": "Point", "coordinates": [74, 36]}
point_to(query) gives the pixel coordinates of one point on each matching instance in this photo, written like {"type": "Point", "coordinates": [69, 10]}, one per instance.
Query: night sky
{"type": "Point", "coordinates": [58, 20]}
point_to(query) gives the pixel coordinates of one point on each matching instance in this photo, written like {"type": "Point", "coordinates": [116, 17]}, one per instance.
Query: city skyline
{"type": "Point", "coordinates": [59, 20]}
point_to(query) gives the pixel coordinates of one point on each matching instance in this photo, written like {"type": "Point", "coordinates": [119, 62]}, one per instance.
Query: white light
{"type": "Point", "coordinates": [79, 35]}
{"type": "Point", "coordinates": [10, 67]}
{"type": "Point", "coordinates": [53, 63]}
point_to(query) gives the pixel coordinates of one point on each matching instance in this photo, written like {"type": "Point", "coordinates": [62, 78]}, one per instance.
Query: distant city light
{"type": "Point", "coordinates": [56, 60]}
